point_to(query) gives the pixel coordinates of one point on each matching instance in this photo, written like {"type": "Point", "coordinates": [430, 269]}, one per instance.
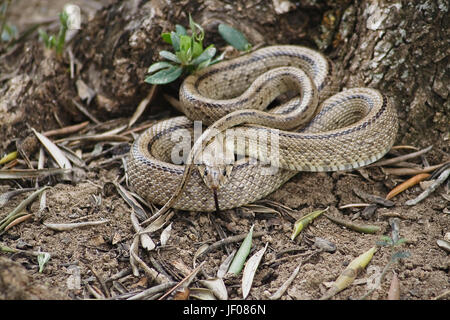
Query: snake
{"type": "Point", "coordinates": [285, 92]}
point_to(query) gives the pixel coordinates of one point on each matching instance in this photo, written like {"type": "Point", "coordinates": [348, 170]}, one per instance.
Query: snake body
{"type": "Point", "coordinates": [350, 129]}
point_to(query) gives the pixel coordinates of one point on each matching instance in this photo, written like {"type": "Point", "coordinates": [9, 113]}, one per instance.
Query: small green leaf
{"type": "Point", "coordinates": [204, 64]}
{"type": "Point", "coordinates": [206, 55]}
{"type": "Point", "coordinates": [242, 254]}
{"type": "Point", "coordinates": [197, 48]}
{"type": "Point", "coordinates": [165, 76]}
{"type": "Point", "coordinates": [158, 66]}
{"type": "Point", "coordinates": [400, 241]}
{"type": "Point", "coordinates": [175, 41]}
{"type": "Point", "coordinates": [166, 37]}
{"type": "Point", "coordinates": [400, 255]}
{"type": "Point", "coordinates": [185, 43]}
{"type": "Point", "coordinates": [44, 37]}
{"type": "Point", "coordinates": [194, 26]}
{"type": "Point", "coordinates": [180, 30]}
{"type": "Point", "coordinates": [43, 258]}
{"type": "Point", "coordinates": [304, 221]}
{"type": "Point", "coordinates": [234, 37]}
{"type": "Point", "coordinates": [169, 56]}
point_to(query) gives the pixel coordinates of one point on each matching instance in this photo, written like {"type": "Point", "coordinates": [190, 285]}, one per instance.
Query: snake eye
{"type": "Point", "coordinates": [224, 172]}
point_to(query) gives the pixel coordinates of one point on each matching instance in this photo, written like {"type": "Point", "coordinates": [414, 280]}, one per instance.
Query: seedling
{"type": "Point", "coordinates": [189, 54]}
{"type": "Point", "coordinates": [56, 42]}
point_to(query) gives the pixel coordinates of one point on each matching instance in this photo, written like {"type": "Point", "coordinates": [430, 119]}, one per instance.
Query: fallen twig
{"type": "Point", "coordinates": [229, 240]}
{"type": "Point", "coordinates": [355, 227]}
{"type": "Point", "coordinates": [70, 226]}
{"type": "Point", "coordinates": [442, 177]}
{"type": "Point", "coordinates": [400, 158]}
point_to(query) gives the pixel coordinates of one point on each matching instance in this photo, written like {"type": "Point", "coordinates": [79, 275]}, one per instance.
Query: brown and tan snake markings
{"type": "Point", "coordinates": [328, 131]}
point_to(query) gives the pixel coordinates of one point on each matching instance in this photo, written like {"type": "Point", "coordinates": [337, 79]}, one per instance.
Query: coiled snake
{"type": "Point", "coordinates": [348, 130]}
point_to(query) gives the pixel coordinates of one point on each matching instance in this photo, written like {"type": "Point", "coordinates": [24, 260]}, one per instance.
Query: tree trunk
{"type": "Point", "coordinates": [401, 48]}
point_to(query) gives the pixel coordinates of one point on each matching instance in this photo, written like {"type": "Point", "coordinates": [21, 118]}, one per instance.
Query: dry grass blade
{"type": "Point", "coordinates": [355, 205]}
{"type": "Point", "coordinates": [70, 226]}
{"type": "Point", "coordinates": [142, 105]}
{"type": "Point", "coordinates": [158, 223]}
{"type": "Point", "coordinates": [281, 290]}
{"type": "Point", "coordinates": [412, 171]}
{"type": "Point", "coordinates": [129, 199]}
{"type": "Point", "coordinates": [54, 151]}
{"type": "Point", "coordinates": [225, 265]}
{"type": "Point", "coordinates": [4, 197]}
{"type": "Point", "coordinates": [146, 241]}
{"type": "Point", "coordinates": [153, 290]}
{"type": "Point", "coordinates": [101, 137]}
{"type": "Point", "coordinates": [250, 269]}
{"type": "Point", "coordinates": [185, 282]}
{"type": "Point", "coordinates": [30, 173]}
{"type": "Point", "coordinates": [18, 210]}
{"type": "Point", "coordinates": [404, 147]}
{"type": "Point", "coordinates": [84, 111]}
{"type": "Point", "coordinates": [407, 184]}
{"type": "Point", "coordinates": [66, 130]}
{"type": "Point", "coordinates": [256, 208]}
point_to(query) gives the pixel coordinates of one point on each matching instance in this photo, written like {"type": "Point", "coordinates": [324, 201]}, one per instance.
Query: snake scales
{"type": "Point", "coordinates": [348, 130]}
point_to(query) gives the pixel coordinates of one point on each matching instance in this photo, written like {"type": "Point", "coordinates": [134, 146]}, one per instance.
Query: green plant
{"type": "Point", "coordinates": [56, 42]}
{"type": "Point", "coordinates": [190, 55]}
{"type": "Point", "coordinates": [396, 254]}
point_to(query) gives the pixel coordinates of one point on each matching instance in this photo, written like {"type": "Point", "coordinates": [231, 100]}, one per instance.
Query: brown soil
{"type": "Point", "coordinates": [97, 253]}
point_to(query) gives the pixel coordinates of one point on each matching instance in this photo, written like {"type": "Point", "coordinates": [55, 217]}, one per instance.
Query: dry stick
{"type": "Point", "coordinates": [142, 106]}
{"type": "Point", "coordinates": [85, 112]}
{"type": "Point", "coordinates": [355, 205]}
{"type": "Point", "coordinates": [154, 275]}
{"type": "Point", "coordinates": [66, 130]}
{"type": "Point", "coordinates": [182, 281]}
{"type": "Point", "coordinates": [281, 290]}
{"type": "Point", "coordinates": [153, 290]}
{"type": "Point", "coordinates": [70, 226]}
{"type": "Point", "coordinates": [442, 177]}
{"type": "Point", "coordinates": [401, 158]}
{"type": "Point", "coordinates": [442, 295]}
{"type": "Point", "coordinates": [411, 171]}
{"type": "Point", "coordinates": [100, 280]}
{"type": "Point", "coordinates": [229, 240]}
{"type": "Point", "coordinates": [137, 129]}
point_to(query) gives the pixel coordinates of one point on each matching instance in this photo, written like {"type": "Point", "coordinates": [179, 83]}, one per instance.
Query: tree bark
{"type": "Point", "coordinates": [402, 48]}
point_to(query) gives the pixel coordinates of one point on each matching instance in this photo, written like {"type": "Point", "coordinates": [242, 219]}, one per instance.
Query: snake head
{"type": "Point", "coordinates": [216, 164]}
{"type": "Point", "coordinates": [215, 176]}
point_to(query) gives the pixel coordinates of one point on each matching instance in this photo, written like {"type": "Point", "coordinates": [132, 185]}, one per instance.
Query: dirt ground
{"type": "Point", "coordinates": [94, 255]}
